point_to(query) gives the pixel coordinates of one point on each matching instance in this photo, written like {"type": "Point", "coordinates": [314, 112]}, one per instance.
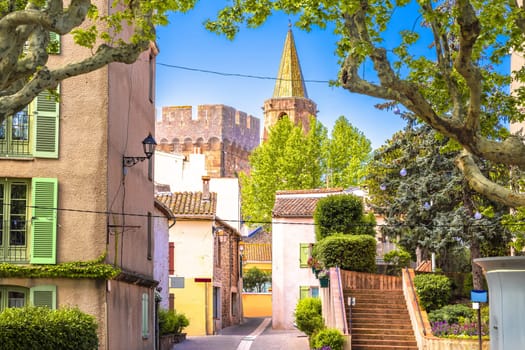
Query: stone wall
{"type": "Point", "coordinates": [225, 135]}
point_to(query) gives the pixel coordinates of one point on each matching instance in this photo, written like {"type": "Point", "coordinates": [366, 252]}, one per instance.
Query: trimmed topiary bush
{"type": "Point", "coordinates": [308, 316]}
{"type": "Point", "coordinates": [328, 337]}
{"type": "Point", "coordinates": [434, 291]}
{"type": "Point", "coordinates": [45, 329]}
{"type": "Point", "coordinates": [354, 253]}
{"type": "Point", "coordinates": [342, 214]}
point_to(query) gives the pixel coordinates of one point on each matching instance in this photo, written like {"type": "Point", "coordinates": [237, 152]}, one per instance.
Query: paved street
{"type": "Point", "coordinates": [253, 334]}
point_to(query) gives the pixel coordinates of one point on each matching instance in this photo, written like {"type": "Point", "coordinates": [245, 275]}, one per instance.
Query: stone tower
{"type": "Point", "coordinates": [289, 95]}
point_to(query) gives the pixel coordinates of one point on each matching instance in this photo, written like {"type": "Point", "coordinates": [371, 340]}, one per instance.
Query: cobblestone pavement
{"type": "Point", "coordinates": [252, 334]}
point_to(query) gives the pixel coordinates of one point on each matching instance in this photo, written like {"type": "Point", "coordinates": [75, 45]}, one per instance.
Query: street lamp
{"type": "Point", "coordinates": [148, 144]}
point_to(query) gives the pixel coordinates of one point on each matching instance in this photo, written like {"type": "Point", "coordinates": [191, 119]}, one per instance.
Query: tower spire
{"type": "Point", "coordinates": [290, 82]}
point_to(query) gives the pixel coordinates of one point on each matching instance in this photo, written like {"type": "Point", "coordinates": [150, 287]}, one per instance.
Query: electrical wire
{"type": "Point", "coordinates": [239, 75]}
{"type": "Point", "coordinates": [99, 212]}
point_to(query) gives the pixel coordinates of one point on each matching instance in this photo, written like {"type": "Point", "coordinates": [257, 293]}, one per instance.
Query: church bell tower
{"type": "Point", "coordinates": [289, 95]}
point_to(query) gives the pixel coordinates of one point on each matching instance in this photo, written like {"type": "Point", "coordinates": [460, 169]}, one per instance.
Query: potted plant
{"type": "Point", "coordinates": [323, 276]}
{"type": "Point", "coordinates": [315, 265]}
{"type": "Point", "coordinates": [171, 325]}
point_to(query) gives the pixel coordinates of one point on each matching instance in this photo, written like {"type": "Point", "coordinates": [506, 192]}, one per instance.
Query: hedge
{"type": "Point", "coordinates": [354, 253]}
{"type": "Point", "coordinates": [45, 329]}
{"type": "Point", "coordinates": [308, 316]}
{"type": "Point", "coordinates": [342, 214]}
{"type": "Point", "coordinates": [434, 291]}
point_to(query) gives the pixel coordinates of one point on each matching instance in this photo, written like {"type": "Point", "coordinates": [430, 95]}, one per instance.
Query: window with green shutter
{"type": "Point", "coordinates": [45, 111]}
{"type": "Point", "coordinates": [304, 254]}
{"type": "Point", "coordinates": [145, 317]}
{"type": "Point", "coordinates": [304, 292]}
{"type": "Point", "coordinates": [12, 296]}
{"type": "Point", "coordinates": [33, 131]}
{"type": "Point", "coordinates": [44, 221]}
{"type": "Point", "coordinates": [43, 296]}
{"type": "Point", "coordinates": [14, 202]}
{"type": "Point", "coordinates": [308, 292]}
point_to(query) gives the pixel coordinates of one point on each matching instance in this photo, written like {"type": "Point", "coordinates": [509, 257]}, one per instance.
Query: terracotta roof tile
{"type": "Point", "coordinates": [300, 203]}
{"type": "Point", "coordinates": [294, 207]}
{"type": "Point", "coordinates": [189, 204]}
{"type": "Point", "coordinates": [257, 252]}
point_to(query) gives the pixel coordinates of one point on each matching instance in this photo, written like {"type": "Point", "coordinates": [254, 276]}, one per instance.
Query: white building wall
{"type": "Point", "coordinates": [287, 275]}
{"type": "Point", "coordinates": [186, 175]}
{"type": "Point", "coordinates": [193, 248]}
{"type": "Point", "coordinates": [161, 255]}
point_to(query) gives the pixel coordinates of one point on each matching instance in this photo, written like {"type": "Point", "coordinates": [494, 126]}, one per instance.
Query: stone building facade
{"type": "Point", "coordinates": [225, 135]}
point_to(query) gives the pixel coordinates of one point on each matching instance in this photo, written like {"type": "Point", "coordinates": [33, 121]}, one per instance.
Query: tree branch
{"type": "Point", "coordinates": [486, 187]}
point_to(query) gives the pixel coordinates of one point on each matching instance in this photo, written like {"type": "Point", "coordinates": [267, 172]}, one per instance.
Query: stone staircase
{"type": "Point", "coordinates": [380, 320]}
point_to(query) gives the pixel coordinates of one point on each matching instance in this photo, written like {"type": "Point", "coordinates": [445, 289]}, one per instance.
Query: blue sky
{"type": "Point", "coordinates": [257, 52]}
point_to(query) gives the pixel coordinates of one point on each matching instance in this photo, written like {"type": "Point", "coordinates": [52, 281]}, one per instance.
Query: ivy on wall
{"type": "Point", "coordinates": [95, 269]}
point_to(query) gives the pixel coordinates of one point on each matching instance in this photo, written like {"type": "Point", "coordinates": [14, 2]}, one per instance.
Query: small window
{"type": "Point", "coordinates": [308, 292]}
{"type": "Point", "coordinates": [216, 303]}
{"type": "Point", "coordinates": [235, 305]}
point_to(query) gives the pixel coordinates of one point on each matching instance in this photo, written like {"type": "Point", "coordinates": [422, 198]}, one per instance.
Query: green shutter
{"type": "Point", "coordinates": [44, 221]}
{"type": "Point", "coordinates": [54, 43]}
{"type": "Point", "coordinates": [46, 117]}
{"type": "Point", "coordinates": [145, 318]}
{"type": "Point", "coordinates": [304, 254]}
{"type": "Point", "coordinates": [304, 292]}
{"type": "Point", "coordinates": [43, 296]}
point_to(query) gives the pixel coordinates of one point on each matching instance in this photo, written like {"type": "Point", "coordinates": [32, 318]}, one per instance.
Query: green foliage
{"type": "Point", "coordinates": [293, 160]}
{"type": "Point", "coordinates": [355, 253]}
{"type": "Point", "coordinates": [79, 269]}
{"type": "Point", "coordinates": [455, 313]}
{"type": "Point", "coordinates": [432, 208]}
{"type": "Point", "coordinates": [330, 337]}
{"type": "Point", "coordinates": [514, 223]}
{"type": "Point", "coordinates": [288, 160]}
{"type": "Point", "coordinates": [45, 329]}
{"type": "Point", "coordinates": [308, 316]}
{"type": "Point", "coordinates": [254, 280]}
{"type": "Point", "coordinates": [433, 290]}
{"type": "Point", "coordinates": [347, 155]}
{"type": "Point", "coordinates": [341, 214]}
{"type": "Point", "coordinates": [171, 322]}
{"type": "Point", "coordinates": [398, 259]}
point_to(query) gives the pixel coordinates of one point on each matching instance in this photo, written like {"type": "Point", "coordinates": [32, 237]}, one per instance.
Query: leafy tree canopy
{"type": "Point", "coordinates": [255, 279]}
{"type": "Point", "coordinates": [427, 204]}
{"type": "Point", "coordinates": [293, 160]}
{"type": "Point", "coordinates": [25, 45]}
{"type": "Point", "coordinates": [344, 214]}
{"type": "Point", "coordinates": [455, 87]}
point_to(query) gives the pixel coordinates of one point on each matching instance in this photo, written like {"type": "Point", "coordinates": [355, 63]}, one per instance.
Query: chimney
{"type": "Point", "coordinates": [205, 188]}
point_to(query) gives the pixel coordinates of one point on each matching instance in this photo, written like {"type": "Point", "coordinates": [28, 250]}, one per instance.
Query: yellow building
{"type": "Point", "coordinates": [257, 304]}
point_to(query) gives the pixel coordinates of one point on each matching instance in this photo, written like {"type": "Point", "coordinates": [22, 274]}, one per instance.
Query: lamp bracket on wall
{"type": "Point", "coordinates": [148, 145]}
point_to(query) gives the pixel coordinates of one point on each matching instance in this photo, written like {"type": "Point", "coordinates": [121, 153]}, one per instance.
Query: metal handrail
{"type": "Point", "coordinates": [417, 301]}
{"type": "Point", "coordinates": [342, 299]}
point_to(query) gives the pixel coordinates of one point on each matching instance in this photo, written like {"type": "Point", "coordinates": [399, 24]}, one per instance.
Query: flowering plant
{"type": "Point", "coordinates": [467, 329]}
{"type": "Point", "coordinates": [314, 263]}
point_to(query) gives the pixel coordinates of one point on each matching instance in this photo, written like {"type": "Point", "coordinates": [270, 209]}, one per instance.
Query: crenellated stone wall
{"type": "Point", "coordinates": [227, 136]}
